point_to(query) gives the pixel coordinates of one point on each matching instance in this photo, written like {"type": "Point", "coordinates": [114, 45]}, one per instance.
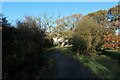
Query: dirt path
{"type": "Point", "coordinates": [67, 67]}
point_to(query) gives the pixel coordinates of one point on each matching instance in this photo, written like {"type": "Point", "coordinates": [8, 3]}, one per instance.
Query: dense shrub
{"type": "Point", "coordinates": [87, 35]}
{"type": "Point", "coordinates": [22, 50]}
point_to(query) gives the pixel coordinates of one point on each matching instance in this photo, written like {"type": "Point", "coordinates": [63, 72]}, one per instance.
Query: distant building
{"type": "Point", "coordinates": [110, 16]}
{"type": "Point", "coordinates": [60, 40]}
{"type": "Point", "coordinates": [117, 25]}
{"type": "Point", "coordinates": [117, 32]}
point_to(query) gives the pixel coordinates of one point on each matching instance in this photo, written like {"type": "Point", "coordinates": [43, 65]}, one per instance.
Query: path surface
{"type": "Point", "coordinates": [67, 67]}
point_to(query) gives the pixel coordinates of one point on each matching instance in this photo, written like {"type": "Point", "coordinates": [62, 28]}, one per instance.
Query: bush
{"type": "Point", "coordinates": [22, 51]}
{"type": "Point", "coordinates": [87, 35]}
{"type": "Point", "coordinates": [81, 44]}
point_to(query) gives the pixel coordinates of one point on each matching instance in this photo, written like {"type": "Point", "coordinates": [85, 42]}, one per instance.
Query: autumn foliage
{"type": "Point", "coordinates": [111, 41]}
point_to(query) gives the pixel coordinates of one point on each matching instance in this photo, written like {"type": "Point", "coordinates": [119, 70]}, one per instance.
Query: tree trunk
{"type": "Point", "coordinates": [78, 51]}
{"type": "Point", "coordinates": [62, 45]}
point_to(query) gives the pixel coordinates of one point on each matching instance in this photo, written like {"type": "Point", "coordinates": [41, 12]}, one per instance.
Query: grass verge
{"type": "Point", "coordinates": [47, 71]}
{"type": "Point", "coordinates": [103, 66]}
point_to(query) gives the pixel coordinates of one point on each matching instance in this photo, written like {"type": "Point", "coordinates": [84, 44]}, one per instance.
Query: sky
{"type": "Point", "coordinates": [17, 10]}
{"type": "Point", "coordinates": [60, 0]}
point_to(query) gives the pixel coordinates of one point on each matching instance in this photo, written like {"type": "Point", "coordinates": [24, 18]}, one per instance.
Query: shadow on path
{"type": "Point", "coordinates": [67, 67]}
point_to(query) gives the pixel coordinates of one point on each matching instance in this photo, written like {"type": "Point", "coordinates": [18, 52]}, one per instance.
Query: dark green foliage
{"type": "Point", "coordinates": [79, 44]}
{"type": "Point", "coordinates": [48, 42]}
{"type": "Point", "coordinates": [113, 54]}
{"type": "Point", "coordinates": [22, 50]}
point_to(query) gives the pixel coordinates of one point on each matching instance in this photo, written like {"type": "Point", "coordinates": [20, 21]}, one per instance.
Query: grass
{"type": "Point", "coordinates": [114, 54]}
{"type": "Point", "coordinates": [103, 66]}
{"type": "Point", "coordinates": [48, 70]}
{"type": "Point", "coordinates": [67, 51]}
